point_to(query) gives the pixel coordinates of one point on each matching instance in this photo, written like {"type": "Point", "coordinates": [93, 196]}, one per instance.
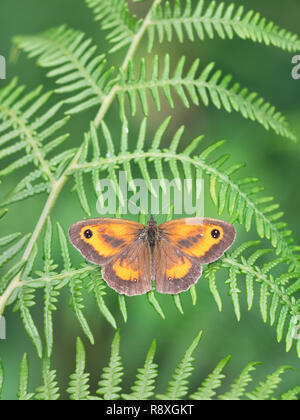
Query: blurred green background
{"type": "Point", "coordinates": [273, 159]}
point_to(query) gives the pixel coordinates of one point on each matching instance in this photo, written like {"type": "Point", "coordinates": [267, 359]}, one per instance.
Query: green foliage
{"type": "Point", "coordinates": [216, 18]}
{"type": "Point", "coordinates": [33, 138]}
{"type": "Point", "coordinates": [146, 383]}
{"type": "Point", "coordinates": [209, 86]}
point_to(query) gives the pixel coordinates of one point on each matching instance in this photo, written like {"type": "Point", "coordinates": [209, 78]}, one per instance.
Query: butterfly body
{"type": "Point", "coordinates": [132, 256]}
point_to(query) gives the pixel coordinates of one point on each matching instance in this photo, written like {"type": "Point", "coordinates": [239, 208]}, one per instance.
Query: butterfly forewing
{"type": "Point", "coordinates": [99, 240]}
{"type": "Point", "coordinates": [202, 238]}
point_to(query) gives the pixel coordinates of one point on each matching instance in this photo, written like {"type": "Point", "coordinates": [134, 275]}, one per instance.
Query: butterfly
{"type": "Point", "coordinates": [132, 255]}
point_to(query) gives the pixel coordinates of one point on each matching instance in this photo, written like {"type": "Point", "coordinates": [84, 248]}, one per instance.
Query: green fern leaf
{"type": "Point", "coordinates": [78, 386]}
{"type": "Point", "coordinates": [208, 86]}
{"type": "Point", "coordinates": [111, 377]}
{"type": "Point", "coordinates": [23, 380]}
{"type": "Point", "coordinates": [212, 382]}
{"type": "Point", "coordinates": [49, 391]}
{"type": "Point", "coordinates": [114, 16]}
{"type": "Point", "coordinates": [217, 18]}
{"type": "Point", "coordinates": [178, 385]}
{"type": "Point", "coordinates": [81, 75]}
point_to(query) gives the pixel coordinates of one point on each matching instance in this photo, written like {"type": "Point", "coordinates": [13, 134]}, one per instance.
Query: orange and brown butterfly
{"type": "Point", "coordinates": [132, 255]}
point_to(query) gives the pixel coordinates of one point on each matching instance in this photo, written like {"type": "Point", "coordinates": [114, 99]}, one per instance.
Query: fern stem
{"type": "Point", "coordinates": [131, 51]}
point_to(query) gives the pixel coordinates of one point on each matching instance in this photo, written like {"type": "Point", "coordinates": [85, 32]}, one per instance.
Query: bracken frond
{"type": "Point", "coordinates": [145, 383]}
{"type": "Point", "coordinates": [82, 75]}
{"type": "Point", "coordinates": [193, 85]}
{"type": "Point", "coordinates": [215, 18]}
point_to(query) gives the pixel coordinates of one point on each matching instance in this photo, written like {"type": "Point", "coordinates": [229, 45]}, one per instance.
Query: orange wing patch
{"type": "Point", "coordinates": [125, 271]}
{"type": "Point", "coordinates": [179, 270]}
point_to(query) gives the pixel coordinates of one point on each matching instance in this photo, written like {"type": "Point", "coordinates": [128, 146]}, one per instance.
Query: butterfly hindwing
{"type": "Point", "coordinates": [129, 273]}
{"type": "Point", "coordinates": [175, 272]}
{"type": "Point", "coordinates": [199, 237]}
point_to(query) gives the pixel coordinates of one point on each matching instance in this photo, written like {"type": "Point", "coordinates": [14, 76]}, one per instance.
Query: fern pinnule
{"type": "Point", "coordinates": [238, 387]}
{"type": "Point", "coordinates": [144, 385]}
{"type": "Point", "coordinates": [178, 385]}
{"type": "Point", "coordinates": [23, 393]}
{"type": "Point", "coordinates": [49, 391]}
{"type": "Point", "coordinates": [79, 380]}
{"type": "Point", "coordinates": [291, 395]}
{"type": "Point", "coordinates": [214, 380]}
{"type": "Point", "coordinates": [111, 377]}
{"type": "Point", "coordinates": [266, 389]}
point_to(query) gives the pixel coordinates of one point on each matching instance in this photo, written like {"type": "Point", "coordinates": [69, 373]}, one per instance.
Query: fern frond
{"type": "Point", "coordinates": [97, 285]}
{"type": "Point", "coordinates": [26, 127]}
{"type": "Point", "coordinates": [114, 16]}
{"type": "Point", "coordinates": [212, 382]}
{"type": "Point", "coordinates": [111, 377]}
{"type": "Point", "coordinates": [266, 389]}
{"type": "Point", "coordinates": [145, 378]}
{"type": "Point", "coordinates": [26, 300]}
{"type": "Point", "coordinates": [237, 389]}
{"type": "Point", "coordinates": [187, 20]}
{"type": "Point", "coordinates": [82, 75]}
{"type": "Point", "coordinates": [209, 86]}
{"type": "Point", "coordinates": [178, 385]}
{"type": "Point", "coordinates": [291, 395]}
{"type": "Point", "coordinates": [278, 295]}
{"type": "Point", "coordinates": [78, 386]}
{"type": "Point", "coordinates": [9, 253]}
{"type": "Point", "coordinates": [49, 391]}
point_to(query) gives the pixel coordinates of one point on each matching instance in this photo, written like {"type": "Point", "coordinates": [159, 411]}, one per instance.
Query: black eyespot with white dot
{"type": "Point", "coordinates": [88, 233]}
{"type": "Point", "coordinates": [215, 233]}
